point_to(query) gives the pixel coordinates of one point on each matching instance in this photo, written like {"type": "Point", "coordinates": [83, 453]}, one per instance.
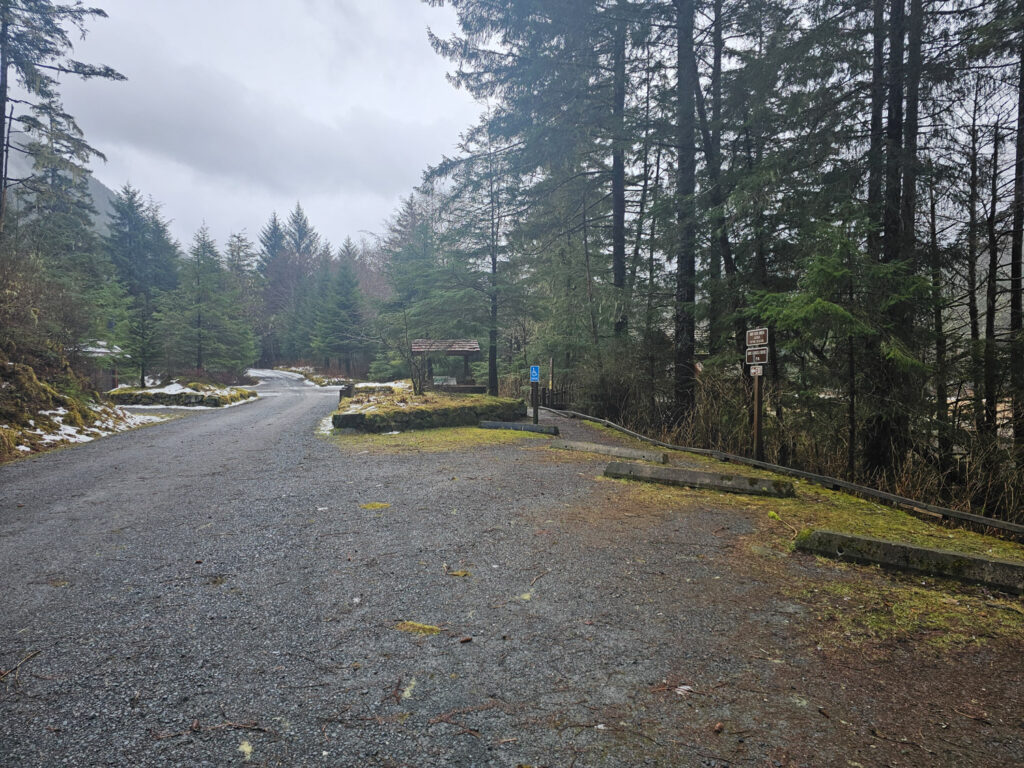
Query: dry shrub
{"type": "Point", "coordinates": [810, 432]}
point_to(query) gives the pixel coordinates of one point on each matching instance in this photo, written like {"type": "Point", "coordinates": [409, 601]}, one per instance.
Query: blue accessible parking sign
{"type": "Point", "coordinates": [534, 373]}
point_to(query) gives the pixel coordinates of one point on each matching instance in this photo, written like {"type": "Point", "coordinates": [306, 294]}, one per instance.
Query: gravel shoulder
{"type": "Point", "coordinates": [224, 589]}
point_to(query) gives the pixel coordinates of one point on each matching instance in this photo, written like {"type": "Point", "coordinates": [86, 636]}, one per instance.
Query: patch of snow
{"type": "Point", "coordinates": [172, 389]}
{"type": "Point", "coordinates": [176, 387]}
{"type": "Point", "coordinates": [101, 348]}
{"type": "Point", "coordinates": [392, 384]}
{"type": "Point", "coordinates": [191, 407]}
{"type": "Point", "coordinates": [269, 373]}
{"type": "Point", "coordinates": [110, 420]}
{"type": "Point", "coordinates": [325, 427]}
{"type": "Point", "coordinates": [132, 420]}
{"type": "Point", "coordinates": [66, 434]}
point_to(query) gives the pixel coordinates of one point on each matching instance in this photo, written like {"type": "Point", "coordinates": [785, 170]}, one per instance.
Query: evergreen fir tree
{"type": "Point", "coordinates": [145, 259]}
{"type": "Point", "coordinates": [338, 331]}
{"type": "Point", "coordinates": [202, 329]}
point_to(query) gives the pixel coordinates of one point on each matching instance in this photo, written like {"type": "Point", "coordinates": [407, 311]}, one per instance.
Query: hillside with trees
{"type": "Point", "coordinates": [649, 180]}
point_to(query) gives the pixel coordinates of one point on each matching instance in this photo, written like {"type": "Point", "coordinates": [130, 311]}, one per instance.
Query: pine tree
{"type": "Point", "coordinates": [56, 232]}
{"type": "Point", "coordinates": [145, 260]}
{"type": "Point", "coordinates": [290, 255]}
{"type": "Point", "coordinates": [202, 328]}
{"type": "Point", "coordinates": [338, 334]}
{"type": "Point", "coordinates": [241, 259]}
{"type": "Point", "coordinates": [35, 46]}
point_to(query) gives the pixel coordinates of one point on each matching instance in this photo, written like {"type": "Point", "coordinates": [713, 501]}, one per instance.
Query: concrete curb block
{"type": "Point", "coordinates": [1004, 575]}
{"type": "Point", "coordinates": [542, 429]}
{"type": "Point", "coordinates": [712, 481]}
{"type": "Point", "coordinates": [612, 450]}
{"type": "Point", "coordinates": [901, 502]}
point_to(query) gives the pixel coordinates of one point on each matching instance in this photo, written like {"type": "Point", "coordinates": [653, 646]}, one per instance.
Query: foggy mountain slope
{"type": "Point", "coordinates": [20, 166]}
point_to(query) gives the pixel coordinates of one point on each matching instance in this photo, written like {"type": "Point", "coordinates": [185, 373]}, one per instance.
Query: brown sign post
{"type": "Point", "coordinates": [756, 357]}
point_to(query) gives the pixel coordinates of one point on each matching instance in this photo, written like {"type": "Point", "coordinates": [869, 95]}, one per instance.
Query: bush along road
{"type": "Point", "coordinates": [232, 588]}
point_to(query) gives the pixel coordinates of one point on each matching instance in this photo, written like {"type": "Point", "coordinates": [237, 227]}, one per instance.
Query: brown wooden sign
{"type": "Point", "coordinates": [757, 355]}
{"type": "Point", "coordinates": [757, 337]}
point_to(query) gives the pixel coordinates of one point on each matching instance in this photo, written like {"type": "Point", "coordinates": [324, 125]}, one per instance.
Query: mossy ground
{"type": "Point", "coordinates": [849, 605]}
{"type": "Point", "coordinates": [439, 440]}
{"type": "Point", "coordinates": [861, 606]}
{"type": "Point", "coordinates": [817, 507]}
{"type": "Point", "coordinates": [387, 401]}
{"type": "Point", "coordinates": [29, 403]}
{"type": "Point", "coordinates": [620, 438]}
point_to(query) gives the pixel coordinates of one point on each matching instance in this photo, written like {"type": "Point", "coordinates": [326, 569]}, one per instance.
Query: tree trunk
{"type": "Point", "coordinates": [686, 257]}
{"type": "Point", "coordinates": [887, 432]}
{"type": "Point", "coordinates": [720, 249]}
{"type": "Point", "coordinates": [876, 149]}
{"type": "Point", "coordinates": [944, 439]}
{"type": "Point", "coordinates": [908, 208]}
{"type": "Point", "coordinates": [591, 303]}
{"type": "Point", "coordinates": [851, 409]}
{"type": "Point", "coordinates": [652, 315]}
{"type": "Point", "coordinates": [619, 175]}
{"type": "Point", "coordinates": [977, 369]}
{"type": "Point", "coordinates": [894, 138]}
{"type": "Point", "coordinates": [492, 331]}
{"type": "Point", "coordinates": [5, 120]}
{"type": "Point", "coordinates": [645, 185]}
{"type": "Point", "coordinates": [1016, 265]}
{"type": "Point", "coordinates": [990, 361]}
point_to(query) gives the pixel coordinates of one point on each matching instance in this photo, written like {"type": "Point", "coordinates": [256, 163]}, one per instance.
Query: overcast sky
{"type": "Point", "coordinates": [237, 108]}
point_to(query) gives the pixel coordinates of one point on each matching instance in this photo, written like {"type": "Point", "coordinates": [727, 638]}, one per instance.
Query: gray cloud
{"type": "Point", "coordinates": [237, 108]}
{"type": "Point", "coordinates": [223, 128]}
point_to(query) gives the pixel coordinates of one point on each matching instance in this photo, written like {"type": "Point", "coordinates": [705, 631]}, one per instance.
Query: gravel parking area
{"type": "Point", "coordinates": [231, 589]}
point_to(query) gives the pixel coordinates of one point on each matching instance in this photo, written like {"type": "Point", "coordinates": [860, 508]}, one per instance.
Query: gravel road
{"type": "Point", "coordinates": [224, 589]}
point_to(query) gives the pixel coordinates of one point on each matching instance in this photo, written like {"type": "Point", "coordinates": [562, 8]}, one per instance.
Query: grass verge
{"type": "Point", "coordinates": [441, 440]}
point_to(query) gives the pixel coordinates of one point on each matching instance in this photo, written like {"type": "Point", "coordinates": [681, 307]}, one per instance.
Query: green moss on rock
{"type": "Point", "coordinates": [438, 412]}
{"type": "Point", "coordinates": [216, 399]}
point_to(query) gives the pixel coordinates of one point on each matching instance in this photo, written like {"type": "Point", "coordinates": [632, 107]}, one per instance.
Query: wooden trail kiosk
{"type": "Point", "coordinates": [467, 349]}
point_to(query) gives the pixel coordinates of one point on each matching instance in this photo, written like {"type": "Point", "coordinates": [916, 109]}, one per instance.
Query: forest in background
{"type": "Point", "coordinates": [648, 181]}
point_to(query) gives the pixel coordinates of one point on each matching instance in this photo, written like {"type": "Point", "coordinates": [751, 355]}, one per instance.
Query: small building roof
{"type": "Point", "coordinates": [446, 346]}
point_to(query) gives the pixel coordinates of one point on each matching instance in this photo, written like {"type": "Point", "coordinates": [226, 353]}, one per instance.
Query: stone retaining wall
{"type": "Point", "coordinates": [191, 399]}
{"type": "Point", "coordinates": [419, 417]}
